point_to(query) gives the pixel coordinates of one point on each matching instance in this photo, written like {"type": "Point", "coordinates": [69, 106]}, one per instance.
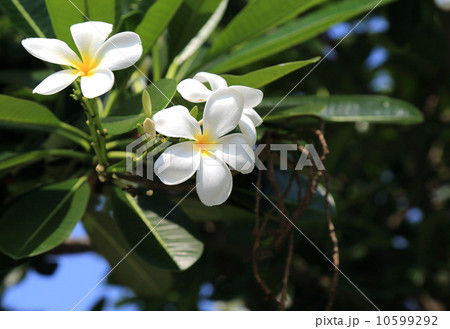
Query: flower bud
{"type": "Point", "coordinates": [149, 128]}
{"type": "Point", "coordinates": [100, 168]}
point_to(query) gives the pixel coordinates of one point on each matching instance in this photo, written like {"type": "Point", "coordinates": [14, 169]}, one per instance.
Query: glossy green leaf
{"type": "Point", "coordinates": [258, 16]}
{"type": "Point", "coordinates": [376, 109]}
{"type": "Point", "coordinates": [171, 244]}
{"type": "Point", "coordinates": [24, 114]}
{"type": "Point", "coordinates": [155, 21]}
{"type": "Point", "coordinates": [20, 112]}
{"type": "Point", "coordinates": [260, 78]}
{"type": "Point", "coordinates": [64, 14]}
{"type": "Point", "coordinates": [194, 111]}
{"type": "Point", "coordinates": [133, 271]}
{"type": "Point", "coordinates": [161, 94]}
{"type": "Point", "coordinates": [122, 124]}
{"type": "Point", "coordinates": [101, 10]}
{"type": "Point", "coordinates": [18, 161]}
{"type": "Point", "coordinates": [293, 33]}
{"type": "Point", "coordinates": [30, 16]}
{"type": "Point", "coordinates": [43, 219]}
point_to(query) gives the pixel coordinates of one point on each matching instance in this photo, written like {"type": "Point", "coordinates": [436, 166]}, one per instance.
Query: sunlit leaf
{"type": "Point", "coordinates": [292, 33]}
{"type": "Point", "coordinates": [30, 16]}
{"type": "Point", "coordinates": [258, 16]}
{"type": "Point", "coordinates": [133, 271]}
{"type": "Point", "coordinates": [343, 109]}
{"type": "Point", "coordinates": [155, 21]}
{"type": "Point", "coordinates": [262, 77]}
{"type": "Point", "coordinates": [171, 244]}
{"type": "Point", "coordinates": [43, 219]}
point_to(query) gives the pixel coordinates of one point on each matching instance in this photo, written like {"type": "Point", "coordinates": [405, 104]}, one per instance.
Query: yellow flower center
{"type": "Point", "coordinates": [86, 66]}
{"type": "Point", "coordinates": [204, 143]}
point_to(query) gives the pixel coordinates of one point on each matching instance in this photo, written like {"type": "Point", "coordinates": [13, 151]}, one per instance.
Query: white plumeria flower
{"type": "Point", "coordinates": [98, 58]}
{"type": "Point", "coordinates": [195, 91]}
{"type": "Point", "coordinates": [443, 4]}
{"type": "Point", "coordinates": [209, 151]}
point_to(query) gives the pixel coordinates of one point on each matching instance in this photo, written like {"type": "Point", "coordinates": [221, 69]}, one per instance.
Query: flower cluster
{"type": "Point", "coordinates": [209, 147]}
{"type": "Point", "coordinates": [212, 151]}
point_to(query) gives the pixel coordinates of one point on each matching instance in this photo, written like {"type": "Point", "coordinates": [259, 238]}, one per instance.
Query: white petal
{"type": "Point", "coordinates": [214, 80]}
{"type": "Point", "coordinates": [252, 97]}
{"type": "Point", "coordinates": [248, 129]}
{"type": "Point", "coordinates": [176, 121]}
{"type": "Point", "coordinates": [234, 150]}
{"type": "Point", "coordinates": [214, 181]}
{"type": "Point", "coordinates": [193, 91]}
{"type": "Point", "coordinates": [97, 83]}
{"type": "Point", "coordinates": [222, 113]}
{"type": "Point", "coordinates": [89, 36]}
{"type": "Point", "coordinates": [56, 82]}
{"type": "Point", "coordinates": [120, 51]}
{"type": "Point", "coordinates": [253, 116]}
{"type": "Point", "coordinates": [178, 163]}
{"type": "Point", "coordinates": [51, 50]}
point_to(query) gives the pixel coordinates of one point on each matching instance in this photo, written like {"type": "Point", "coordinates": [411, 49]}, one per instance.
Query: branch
{"type": "Point", "coordinates": [71, 246]}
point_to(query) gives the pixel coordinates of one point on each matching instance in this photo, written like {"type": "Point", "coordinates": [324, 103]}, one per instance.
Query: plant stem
{"type": "Point", "coordinates": [117, 143]}
{"type": "Point", "coordinates": [96, 129]}
{"type": "Point", "coordinates": [117, 155]}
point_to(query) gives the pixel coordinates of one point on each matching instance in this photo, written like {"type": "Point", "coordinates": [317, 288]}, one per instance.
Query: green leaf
{"type": "Point", "coordinates": [192, 14]}
{"type": "Point", "coordinates": [171, 243]}
{"type": "Point", "coordinates": [260, 78]}
{"type": "Point", "coordinates": [155, 21]}
{"type": "Point", "coordinates": [292, 34]}
{"type": "Point", "coordinates": [18, 161]}
{"type": "Point", "coordinates": [122, 124]}
{"type": "Point", "coordinates": [30, 16]}
{"type": "Point", "coordinates": [161, 94]}
{"type": "Point", "coordinates": [43, 219]}
{"type": "Point", "coordinates": [258, 16]}
{"type": "Point", "coordinates": [145, 279]}
{"type": "Point", "coordinates": [24, 114]}
{"type": "Point", "coordinates": [101, 10]}
{"type": "Point", "coordinates": [63, 14]}
{"type": "Point", "coordinates": [353, 108]}
{"type": "Point", "coordinates": [194, 112]}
